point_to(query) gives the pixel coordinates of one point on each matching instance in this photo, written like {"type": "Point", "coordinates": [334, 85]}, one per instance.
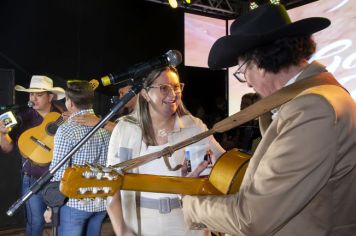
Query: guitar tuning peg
{"type": "Point", "coordinates": [99, 175]}
{"type": "Point", "coordinates": [82, 190]}
{"type": "Point", "coordinates": [93, 168]}
{"type": "Point", "coordinates": [87, 174]}
{"type": "Point", "coordinates": [106, 169]}
{"type": "Point", "coordinates": [109, 177]}
{"type": "Point", "coordinates": [120, 171]}
{"type": "Point", "coordinates": [106, 189]}
{"type": "Point", "coordinates": [95, 190]}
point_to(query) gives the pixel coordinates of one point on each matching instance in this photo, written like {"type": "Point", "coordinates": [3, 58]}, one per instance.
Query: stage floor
{"type": "Point", "coordinates": [105, 231]}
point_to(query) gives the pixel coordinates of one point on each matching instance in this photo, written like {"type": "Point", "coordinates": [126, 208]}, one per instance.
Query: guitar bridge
{"type": "Point", "coordinates": [39, 142]}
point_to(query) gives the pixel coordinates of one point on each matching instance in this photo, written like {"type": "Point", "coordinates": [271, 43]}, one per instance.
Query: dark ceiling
{"type": "Point", "coordinates": [80, 39]}
{"type": "Point", "coordinates": [226, 9]}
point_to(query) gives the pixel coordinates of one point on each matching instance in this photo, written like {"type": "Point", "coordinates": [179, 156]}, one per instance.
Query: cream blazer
{"type": "Point", "coordinates": [125, 144]}
{"type": "Point", "coordinates": [302, 178]}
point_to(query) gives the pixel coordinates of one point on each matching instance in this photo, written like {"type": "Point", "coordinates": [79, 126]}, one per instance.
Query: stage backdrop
{"type": "Point", "coordinates": [335, 45]}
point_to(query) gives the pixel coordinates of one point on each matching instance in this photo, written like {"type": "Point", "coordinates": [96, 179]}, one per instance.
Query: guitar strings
{"type": "Point", "coordinates": [59, 121]}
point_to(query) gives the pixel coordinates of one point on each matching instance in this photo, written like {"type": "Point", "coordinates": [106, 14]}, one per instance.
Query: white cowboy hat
{"type": "Point", "coordinates": [40, 83]}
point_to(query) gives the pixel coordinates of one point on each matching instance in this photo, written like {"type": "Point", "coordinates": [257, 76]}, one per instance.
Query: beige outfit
{"type": "Point", "coordinates": [301, 179]}
{"type": "Point", "coordinates": [126, 143]}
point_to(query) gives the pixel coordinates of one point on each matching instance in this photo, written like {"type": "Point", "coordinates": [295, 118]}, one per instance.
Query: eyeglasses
{"type": "Point", "coordinates": [165, 89]}
{"type": "Point", "coordinates": [240, 75]}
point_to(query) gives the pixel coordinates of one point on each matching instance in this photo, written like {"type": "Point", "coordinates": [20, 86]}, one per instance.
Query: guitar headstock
{"type": "Point", "coordinates": [89, 181]}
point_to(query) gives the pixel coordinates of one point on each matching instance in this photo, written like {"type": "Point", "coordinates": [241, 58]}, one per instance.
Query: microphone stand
{"type": "Point", "coordinates": [45, 178]}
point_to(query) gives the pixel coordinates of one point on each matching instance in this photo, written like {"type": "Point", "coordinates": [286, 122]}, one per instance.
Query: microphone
{"type": "Point", "coordinates": [16, 106]}
{"type": "Point", "coordinates": [114, 99]}
{"type": "Point", "coordinates": [170, 58]}
{"type": "Point", "coordinates": [124, 83]}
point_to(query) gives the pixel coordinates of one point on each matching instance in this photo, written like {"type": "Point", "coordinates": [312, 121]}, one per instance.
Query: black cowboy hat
{"type": "Point", "coordinates": [256, 28]}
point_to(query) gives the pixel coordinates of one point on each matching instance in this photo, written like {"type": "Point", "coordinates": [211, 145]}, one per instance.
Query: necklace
{"type": "Point", "coordinates": [162, 133]}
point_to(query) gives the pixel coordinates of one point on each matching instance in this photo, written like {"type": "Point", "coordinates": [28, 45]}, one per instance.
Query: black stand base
{"type": "Point", "coordinates": [54, 199]}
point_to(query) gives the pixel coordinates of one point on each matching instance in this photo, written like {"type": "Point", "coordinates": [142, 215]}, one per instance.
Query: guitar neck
{"type": "Point", "coordinates": [168, 184]}
{"type": "Point", "coordinates": [84, 188]}
{"type": "Point", "coordinates": [91, 181]}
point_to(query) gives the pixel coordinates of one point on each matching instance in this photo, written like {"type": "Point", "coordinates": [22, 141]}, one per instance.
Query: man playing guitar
{"type": "Point", "coordinates": [41, 94]}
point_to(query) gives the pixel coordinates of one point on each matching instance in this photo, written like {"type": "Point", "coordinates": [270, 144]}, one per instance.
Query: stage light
{"type": "Point", "coordinates": [179, 3]}
{"type": "Point", "coordinates": [257, 3]}
{"type": "Point", "coordinates": [253, 5]}
{"type": "Point", "coordinates": [173, 3]}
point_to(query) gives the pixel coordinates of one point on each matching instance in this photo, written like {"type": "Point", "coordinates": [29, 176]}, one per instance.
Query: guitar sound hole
{"type": "Point", "coordinates": [52, 129]}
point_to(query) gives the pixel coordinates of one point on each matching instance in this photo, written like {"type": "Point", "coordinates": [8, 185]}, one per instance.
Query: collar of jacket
{"type": "Point", "coordinates": [312, 69]}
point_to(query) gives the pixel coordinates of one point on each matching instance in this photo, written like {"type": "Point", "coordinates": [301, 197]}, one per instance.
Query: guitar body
{"type": "Point", "coordinates": [229, 170]}
{"type": "Point", "coordinates": [37, 143]}
{"type": "Point", "coordinates": [89, 181]}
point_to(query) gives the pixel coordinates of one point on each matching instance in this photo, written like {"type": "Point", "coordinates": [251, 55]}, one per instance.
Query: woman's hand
{"type": "Point", "coordinates": [196, 172]}
{"type": "Point", "coordinates": [47, 215]}
{"type": "Point", "coordinates": [114, 210]}
{"type": "Point", "coordinates": [3, 128]}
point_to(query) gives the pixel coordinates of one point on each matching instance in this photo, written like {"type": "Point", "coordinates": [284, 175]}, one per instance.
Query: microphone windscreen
{"type": "Point", "coordinates": [174, 57]}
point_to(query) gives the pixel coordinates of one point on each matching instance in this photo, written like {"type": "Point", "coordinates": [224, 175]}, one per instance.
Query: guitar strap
{"type": "Point", "coordinates": [274, 101]}
{"type": "Point", "coordinates": [255, 110]}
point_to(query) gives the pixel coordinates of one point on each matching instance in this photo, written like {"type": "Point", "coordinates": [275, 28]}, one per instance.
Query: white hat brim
{"type": "Point", "coordinates": [56, 90]}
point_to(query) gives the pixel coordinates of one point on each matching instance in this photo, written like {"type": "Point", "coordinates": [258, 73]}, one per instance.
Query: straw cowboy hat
{"type": "Point", "coordinates": [40, 83]}
{"type": "Point", "coordinates": [258, 27]}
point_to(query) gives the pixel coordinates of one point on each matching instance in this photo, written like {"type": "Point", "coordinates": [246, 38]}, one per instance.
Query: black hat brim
{"type": "Point", "coordinates": [226, 50]}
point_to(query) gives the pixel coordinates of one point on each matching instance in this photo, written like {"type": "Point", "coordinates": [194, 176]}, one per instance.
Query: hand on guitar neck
{"type": "Point", "coordinates": [196, 172]}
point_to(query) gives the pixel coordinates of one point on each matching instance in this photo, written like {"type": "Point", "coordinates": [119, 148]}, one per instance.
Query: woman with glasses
{"type": "Point", "coordinates": [159, 120]}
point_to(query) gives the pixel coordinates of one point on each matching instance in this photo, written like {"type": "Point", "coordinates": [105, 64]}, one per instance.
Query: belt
{"type": "Point", "coordinates": [29, 175]}
{"type": "Point", "coordinates": [164, 205]}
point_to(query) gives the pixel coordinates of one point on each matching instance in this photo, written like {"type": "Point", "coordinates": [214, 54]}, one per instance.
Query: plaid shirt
{"type": "Point", "coordinates": [94, 150]}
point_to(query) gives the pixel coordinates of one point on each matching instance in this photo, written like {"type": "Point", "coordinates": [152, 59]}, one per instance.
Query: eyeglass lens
{"type": "Point", "coordinates": [165, 89]}
{"type": "Point", "coordinates": [240, 75]}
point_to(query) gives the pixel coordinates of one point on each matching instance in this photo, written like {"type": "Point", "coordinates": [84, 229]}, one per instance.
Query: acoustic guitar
{"type": "Point", "coordinates": [88, 181]}
{"type": "Point", "coordinates": [36, 143]}
{"type": "Point", "coordinates": [225, 177]}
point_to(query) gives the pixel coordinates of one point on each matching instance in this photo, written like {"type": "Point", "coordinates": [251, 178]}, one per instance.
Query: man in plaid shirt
{"type": "Point", "coordinates": [80, 217]}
